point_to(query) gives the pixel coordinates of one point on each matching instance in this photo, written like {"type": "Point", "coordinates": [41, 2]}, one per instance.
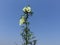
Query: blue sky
{"type": "Point", "coordinates": [45, 22]}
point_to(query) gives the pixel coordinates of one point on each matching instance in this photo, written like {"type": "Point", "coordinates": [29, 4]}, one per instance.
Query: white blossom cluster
{"type": "Point", "coordinates": [27, 9]}
{"type": "Point", "coordinates": [22, 20]}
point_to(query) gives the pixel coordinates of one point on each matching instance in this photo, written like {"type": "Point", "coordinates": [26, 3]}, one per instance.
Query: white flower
{"type": "Point", "coordinates": [22, 20]}
{"type": "Point", "coordinates": [27, 9]}
{"type": "Point", "coordinates": [24, 9]}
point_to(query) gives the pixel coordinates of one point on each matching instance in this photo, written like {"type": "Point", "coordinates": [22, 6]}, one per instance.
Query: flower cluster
{"type": "Point", "coordinates": [27, 9]}
{"type": "Point", "coordinates": [22, 20]}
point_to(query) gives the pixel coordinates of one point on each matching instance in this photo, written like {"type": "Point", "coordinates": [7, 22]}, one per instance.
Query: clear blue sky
{"type": "Point", "coordinates": [45, 22]}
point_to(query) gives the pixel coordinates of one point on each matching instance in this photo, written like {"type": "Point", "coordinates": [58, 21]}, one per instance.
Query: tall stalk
{"type": "Point", "coordinates": [27, 35]}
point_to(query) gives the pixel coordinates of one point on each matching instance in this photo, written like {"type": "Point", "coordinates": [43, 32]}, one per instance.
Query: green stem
{"type": "Point", "coordinates": [26, 29]}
